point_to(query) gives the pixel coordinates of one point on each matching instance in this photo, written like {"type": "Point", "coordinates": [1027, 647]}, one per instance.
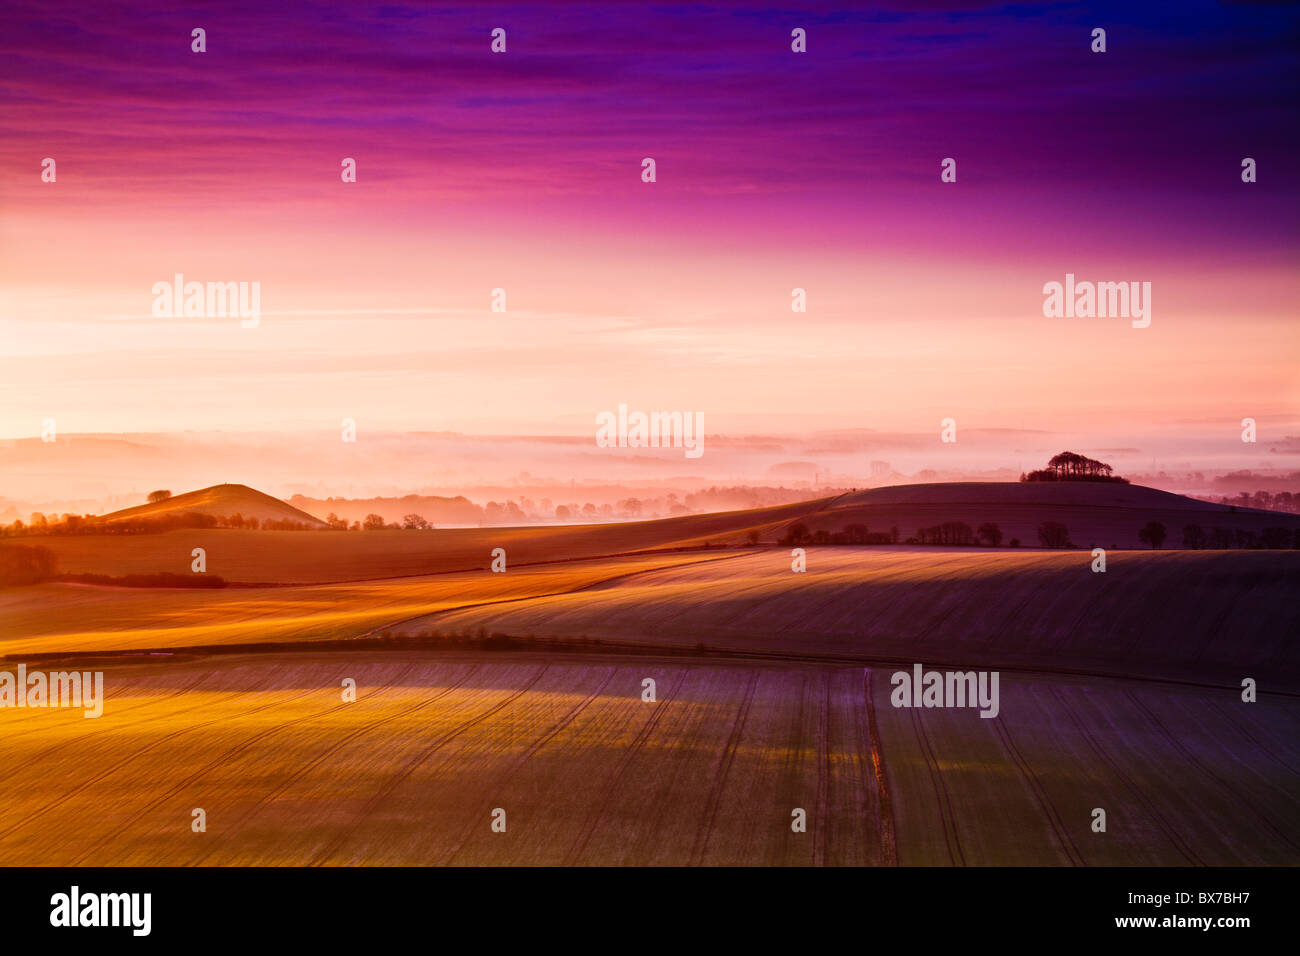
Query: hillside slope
{"type": "Point", "coordinates": [1102, 515]}
{"type": "Point", "coordinates": [221, 501]}
{"type": "Point", "coordinates": [289, 557]}
{"type": "Point", "coordinates": [1097, 514]}
{"type": "Point", "coordinates": [1201, 615]}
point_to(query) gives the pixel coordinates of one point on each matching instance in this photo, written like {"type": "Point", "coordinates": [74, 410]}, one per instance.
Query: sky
{"type": "Point", "coordinates": [775, 170]}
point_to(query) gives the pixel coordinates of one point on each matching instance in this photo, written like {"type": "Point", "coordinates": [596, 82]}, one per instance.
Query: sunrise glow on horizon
{"type": "Point", "coordinates": [522, 172]}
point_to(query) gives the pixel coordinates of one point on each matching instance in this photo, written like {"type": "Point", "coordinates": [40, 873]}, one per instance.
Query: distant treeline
{"type": "Point", "coordinates": [160, 579]}
{"type": "Point", "coordinates": [1051, 534]}
{"type": "Point", "coordinates": [948, 533]}
{"type": "Point", "coordinates": [1196, 538]}
{"type": "Point", "coordinates": [1067, 466]}
{"type": "Point", "coordinates": [1265, 500]}
{"type": "Point", "coordinates": [1238, 481]}
{"type": "Point", "coordinates": [425, 511]}
{"type": "Point", "coordinates": [960, 533]}
{"type": "Point", "coordinates": [91, 524]}
{"type": "Point", "coordinates": [798, 533]}
{"type": "Point", "coordinates": [22, 564]}
{"type": "Point", "coordinates": [748, 497]}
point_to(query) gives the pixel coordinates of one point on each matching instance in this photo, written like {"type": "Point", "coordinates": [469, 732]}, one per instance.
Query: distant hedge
{"type": "Point", "coordinates": [26, 564]}
{"type": "Point", "coordinates": [161, 579]}
{"type": "Point", "coordinates": [151, 524]}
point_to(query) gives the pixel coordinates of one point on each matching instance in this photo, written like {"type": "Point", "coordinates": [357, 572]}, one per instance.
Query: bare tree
{"type": "Point", "coordinates": [1152, 533]}
{"type": "Point", "coordinates": [1053, 534]}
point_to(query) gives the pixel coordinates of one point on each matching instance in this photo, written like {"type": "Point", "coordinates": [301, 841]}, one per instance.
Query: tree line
{"type": "Point", "coordinates": [1051, 534]}
{"type": "Point", "coordinates": [1264, 500]}
{"type": "Point", "coordinates": [22, 564]}
{"type": "Point", "coordinates": [70, 524]}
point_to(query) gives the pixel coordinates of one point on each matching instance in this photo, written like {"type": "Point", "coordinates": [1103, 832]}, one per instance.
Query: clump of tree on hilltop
{"type": "Point", "coordinates": [1067, 466]}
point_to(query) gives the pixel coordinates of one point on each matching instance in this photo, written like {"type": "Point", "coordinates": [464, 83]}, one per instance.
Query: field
{"type": "Point", "coordinates": [588, 773]}
{"type": "Point", "coordinates": [100, 618]}
{"type": "Point", "coordinates": [1102, 515]}
{"type": "Point", "coordinates": [1036, 609]}
{"type": "Point", "coordinates": [320, 557]}
{"type": "Point", "coordinates": [522, 691]}
{"type": "Point", "coordinates": [1098, 514]}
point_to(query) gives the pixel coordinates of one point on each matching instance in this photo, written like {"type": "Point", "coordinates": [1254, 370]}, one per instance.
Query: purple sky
{"type": "Point", "coordinates": [775, 170]}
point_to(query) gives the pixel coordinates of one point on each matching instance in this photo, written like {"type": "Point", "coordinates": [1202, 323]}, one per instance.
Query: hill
{"type": "Point", "coordinates": [220, 501]}
{"type": "Point", "coordinates": [1106, 515]}
{"type": "Point", "coordinates": [1097, 514]}
{"type": "Point", "coordinates": [287, 557]}
{"type": "Point", "coordinates": [1009, 607]}
{"type": "Point", "coordinates": [774, 691]}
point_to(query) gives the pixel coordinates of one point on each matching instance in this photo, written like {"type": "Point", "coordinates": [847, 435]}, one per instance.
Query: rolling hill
{"type": "Point", "coordinates": [1105, 515]}
{"type": "Point", "coordinates": [1097, 514]}
{"type": "Point", "coordinates": [220, 501]}
{"type": "Point", "coordinates": [1120, 690]}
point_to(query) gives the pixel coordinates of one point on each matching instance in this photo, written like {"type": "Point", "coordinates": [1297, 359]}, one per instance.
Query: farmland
{"type": "Point", "coordinates": [322, 557]}
{"type": "Point", "coordinates": [522, 691]}
{"type": "Point", "coordinates": [1102, 515]}
{"type": "Point", "coordinates": [1036, 609]}
{"type": "Point", "coordinates": [95, 618]}
{"type": "Point", "coordinates": [1025, 609]}
{"type": "Point", "coordinates": [588, 773]}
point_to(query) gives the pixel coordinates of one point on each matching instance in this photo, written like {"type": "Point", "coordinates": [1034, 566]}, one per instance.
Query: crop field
{"type": "Point", "coordinates": [516, 699]}
{"type": "Point", "coordinates": [1187, 614]}
{"type": "Point", "coordinates": [1096, 515]}
{"type": "Point", "coordinates": [587, 772]}
{"type": "Point", "coordinates": [1108, 516]}
{"type": "Point", "coordinates": [61, 617]}
{"type": "Point", "coordinates": [318, 557]}
{"type": "Point", "coordinates": [1002, 607]}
